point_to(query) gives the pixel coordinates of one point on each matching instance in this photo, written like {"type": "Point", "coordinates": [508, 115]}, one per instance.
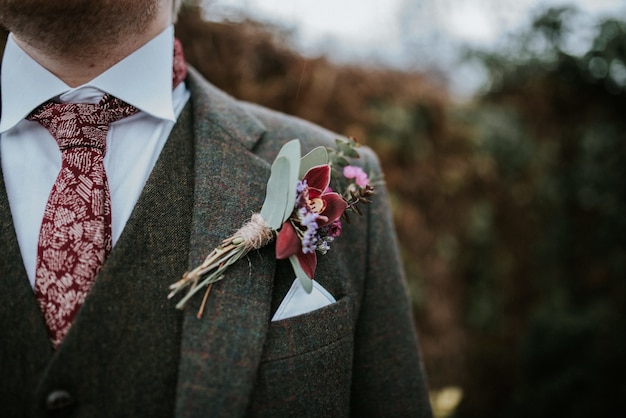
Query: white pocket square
{"type": "Point", "coordinates": [298, 301]}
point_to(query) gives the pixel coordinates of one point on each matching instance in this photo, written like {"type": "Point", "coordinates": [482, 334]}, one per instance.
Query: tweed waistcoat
{"type": "Point", "coordinates": [120, 358]}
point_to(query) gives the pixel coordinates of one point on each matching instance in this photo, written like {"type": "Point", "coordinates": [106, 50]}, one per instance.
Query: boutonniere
{"type": "Point", "coordinates": [305, 200]}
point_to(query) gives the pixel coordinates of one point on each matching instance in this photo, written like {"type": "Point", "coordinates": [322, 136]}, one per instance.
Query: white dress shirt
{"type": "Point", "coordinates": [31, 158]}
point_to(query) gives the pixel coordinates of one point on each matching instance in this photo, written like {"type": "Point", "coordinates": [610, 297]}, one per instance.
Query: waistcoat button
{"type": "Point", "coordinates": [58, 399]}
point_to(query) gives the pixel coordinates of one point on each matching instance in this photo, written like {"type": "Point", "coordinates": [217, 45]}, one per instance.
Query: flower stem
{"type": "Point", "coordinates": [204, 299]}
{"type": "Point", "coordinates": [254, 235]}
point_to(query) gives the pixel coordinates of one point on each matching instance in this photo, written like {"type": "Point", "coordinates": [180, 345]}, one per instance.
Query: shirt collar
{"type": "Point", "coordinates": [143, 79]}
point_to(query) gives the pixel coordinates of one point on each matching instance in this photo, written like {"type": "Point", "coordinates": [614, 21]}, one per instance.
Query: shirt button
{"type": "Point", "coordinates": [58, 399]}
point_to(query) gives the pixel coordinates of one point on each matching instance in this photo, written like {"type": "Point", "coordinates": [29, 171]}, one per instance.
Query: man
{"type": "Point", "coordinates": [185, 168]}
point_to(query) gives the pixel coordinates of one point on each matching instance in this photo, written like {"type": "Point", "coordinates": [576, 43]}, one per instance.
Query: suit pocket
{"type": "Point", "coordinates": [310, 331]}
{"type": "Point", "coordinates": [306, 366]}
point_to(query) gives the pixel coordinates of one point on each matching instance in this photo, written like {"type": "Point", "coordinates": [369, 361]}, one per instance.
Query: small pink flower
{"type": "Point", "coordinates": [334, 229]}
{"type": "Point", "coordinates": [356, 173]}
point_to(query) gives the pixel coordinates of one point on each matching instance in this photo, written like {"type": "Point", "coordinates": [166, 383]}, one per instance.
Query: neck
{"type": "Point", "coordinates": [84, 63]}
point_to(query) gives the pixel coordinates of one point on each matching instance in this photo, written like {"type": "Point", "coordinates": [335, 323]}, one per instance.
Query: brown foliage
{"type": "Point", "coordinates": [250, 61]}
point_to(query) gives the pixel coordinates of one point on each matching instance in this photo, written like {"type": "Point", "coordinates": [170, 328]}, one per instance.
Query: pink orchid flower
{"type": "Point", "coordinates": [319, 200]}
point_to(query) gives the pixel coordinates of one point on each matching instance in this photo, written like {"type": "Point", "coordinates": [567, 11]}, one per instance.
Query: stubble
{"type": "Point", "coordinates": [77, 28]}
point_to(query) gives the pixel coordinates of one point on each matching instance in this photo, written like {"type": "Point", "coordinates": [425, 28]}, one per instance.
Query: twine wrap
{"type": "Point", "coordinates": [254, 235]}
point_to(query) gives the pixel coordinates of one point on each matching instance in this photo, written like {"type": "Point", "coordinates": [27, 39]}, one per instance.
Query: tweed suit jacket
{"type": "Point", "coordinates": [131, 353]}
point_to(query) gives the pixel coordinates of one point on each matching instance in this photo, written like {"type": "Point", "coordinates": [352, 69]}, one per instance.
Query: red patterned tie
{"type": "Point", "coordinates": [75, 235]}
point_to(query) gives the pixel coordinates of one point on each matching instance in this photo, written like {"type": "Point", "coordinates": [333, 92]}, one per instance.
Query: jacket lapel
{"type": "Point", "coordinates": [221, 351]}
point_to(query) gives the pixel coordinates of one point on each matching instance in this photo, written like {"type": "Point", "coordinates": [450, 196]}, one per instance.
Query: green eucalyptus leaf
{"type": "Point", "coordinates": [305, 280]}
{"type": "Point", "coordinates": [280, 196]}
{"type": "Point", "coordinates": [277, 194]}
{"type": "Point", "coordinates": [291, 151]}
{"type": "Point", "coordinates": [318, 156]}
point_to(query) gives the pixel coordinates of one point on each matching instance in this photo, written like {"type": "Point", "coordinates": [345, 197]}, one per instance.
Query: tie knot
{"type": "Point", "coordinates": [81, 124]}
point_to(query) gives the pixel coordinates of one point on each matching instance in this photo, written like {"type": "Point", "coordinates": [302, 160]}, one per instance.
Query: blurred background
{"type": "Point", "coordinates": [501, 127]}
